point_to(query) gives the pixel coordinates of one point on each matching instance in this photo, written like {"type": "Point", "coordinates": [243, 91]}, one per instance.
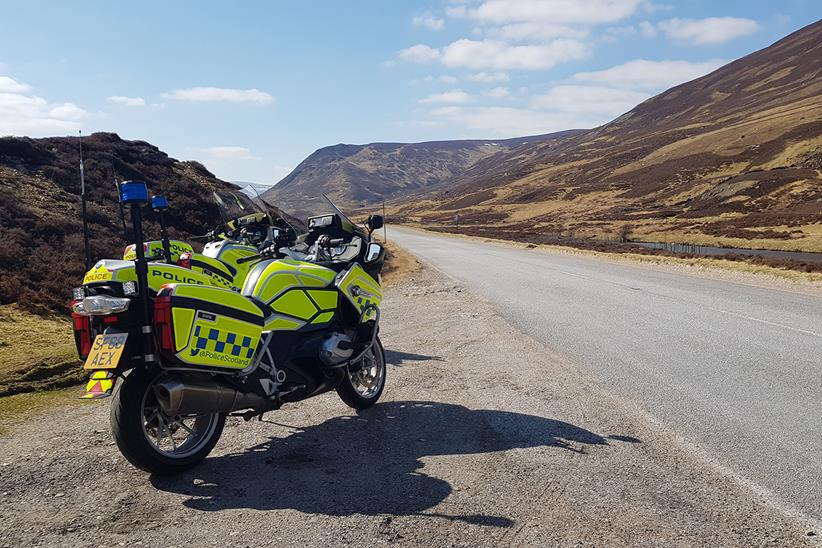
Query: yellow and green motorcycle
{"type": "Point", "coordinates": [299, 317]}
{"type": "Point", "coordinates": [245, 226]}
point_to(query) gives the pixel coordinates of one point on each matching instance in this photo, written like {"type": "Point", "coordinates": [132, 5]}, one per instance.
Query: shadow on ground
{"type": "Point", "coordinates": [392, 357]}
{"type": "Point", "coordinates": [369, 463]}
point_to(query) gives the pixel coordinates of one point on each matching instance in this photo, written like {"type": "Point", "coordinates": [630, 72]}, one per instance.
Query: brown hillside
{"type": "Point", "coordinates": [733, 158]}
{"type": "Point", "coordinates": [41, 246]}
{"type": "Point", "coordinates": [359, 175]}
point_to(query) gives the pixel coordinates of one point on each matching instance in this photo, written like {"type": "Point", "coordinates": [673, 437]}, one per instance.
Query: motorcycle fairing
{"type": "Point", "coordinates": [270, 279]}
{"type": "Point", "coordinates": [155, 249]}
{"type": "Point", "coordinates": [220, 273]}
{"type": "Point", "coordinates": [361, 290]}
{"type": "Point", "coordinates": [228, 253]}
{"type": "Point", "coordinates": [159, 274]}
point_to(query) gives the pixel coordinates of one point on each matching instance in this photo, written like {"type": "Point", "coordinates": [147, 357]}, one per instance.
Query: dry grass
{"type": "Point", "coordinates": [811, 239]}
{"type": "Point", "coordinates": [20, 407]}
{"type": "Point", "coordinates": [399, 265]}
{"type": "Point", "coordinates": [36, 353]}
{"type": "Point", "coordinates": [27, 338]}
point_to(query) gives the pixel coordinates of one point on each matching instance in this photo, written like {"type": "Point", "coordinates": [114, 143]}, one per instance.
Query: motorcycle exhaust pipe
{"type": "Point", "coordinates": [178, 396]}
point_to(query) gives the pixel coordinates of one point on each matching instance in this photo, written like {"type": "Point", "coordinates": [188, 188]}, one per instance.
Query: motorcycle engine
{"type": "Point", "coordinates": [336, 349]}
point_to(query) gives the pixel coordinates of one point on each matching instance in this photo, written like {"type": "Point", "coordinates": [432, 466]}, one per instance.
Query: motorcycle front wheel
{"type": "Point", "coordinates": [364, 381]}
{"type": "Point", "coordinates": [153, 441]}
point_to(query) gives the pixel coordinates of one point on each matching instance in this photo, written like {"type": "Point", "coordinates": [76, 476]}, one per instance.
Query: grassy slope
{"type": "Point", "coordinates": [36, 352]}
{"type": "Point", "coordinates": [731, 159]}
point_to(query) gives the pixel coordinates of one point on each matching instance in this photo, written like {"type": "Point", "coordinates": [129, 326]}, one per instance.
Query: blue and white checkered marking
{"type": "Point", "coordinates": [222, 342]}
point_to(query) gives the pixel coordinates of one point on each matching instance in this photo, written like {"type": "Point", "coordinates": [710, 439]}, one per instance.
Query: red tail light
{"type": "Point", "coordinates": [184, 260]}
{"type": "Point", "coordinates": [82, 333]}
{"type": "Point", "coordinates": [163, 330]}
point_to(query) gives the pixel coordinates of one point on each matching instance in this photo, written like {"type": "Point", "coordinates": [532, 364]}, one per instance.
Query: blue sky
{"type": "Point", "coordinates": [252, 88]}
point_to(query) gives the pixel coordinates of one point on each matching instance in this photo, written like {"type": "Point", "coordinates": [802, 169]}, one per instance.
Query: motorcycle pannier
{"type": "Point", "coordinates": [207, 326]}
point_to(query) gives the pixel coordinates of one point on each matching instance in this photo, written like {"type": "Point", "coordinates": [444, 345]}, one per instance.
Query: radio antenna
{"type": "Point", "coordinates": [86, 251]}
{"type": "Point", "coordinates": [120, 204]}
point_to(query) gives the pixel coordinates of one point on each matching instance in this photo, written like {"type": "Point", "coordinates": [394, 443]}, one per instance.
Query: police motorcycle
{"type": "Point", "coordinates": [187, 352]}
{"type": "Point", "coordinates": [245, 226]}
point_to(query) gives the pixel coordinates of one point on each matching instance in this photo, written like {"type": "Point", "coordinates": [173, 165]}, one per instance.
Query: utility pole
{"type": "Point", "coordinates": [384, 231]}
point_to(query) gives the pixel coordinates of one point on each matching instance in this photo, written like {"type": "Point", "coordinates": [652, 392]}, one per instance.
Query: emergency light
{"type": "Point", "coordinates": [133, 192]}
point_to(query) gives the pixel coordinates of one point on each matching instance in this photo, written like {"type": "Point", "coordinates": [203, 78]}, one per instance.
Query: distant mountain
{"type": "Point", "coordinates": [41, 247]}
{"type": "Point", "coordinates": [733, 157]}
{"type": "Point", "coordinates": [358, 175]}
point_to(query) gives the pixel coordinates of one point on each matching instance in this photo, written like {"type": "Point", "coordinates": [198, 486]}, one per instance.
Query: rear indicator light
{"type": "Point", "coordinates": [82, 333]}
{"type": "Point", "coordinates": [184, 260]}
{"type": "Point", "coordinates": [162, 323]}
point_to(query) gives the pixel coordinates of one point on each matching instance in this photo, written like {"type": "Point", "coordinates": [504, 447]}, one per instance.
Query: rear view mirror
{"type": "Point", "coordinates": [374, 222]}
{"type": "Point", "coordinates": [375, 253]}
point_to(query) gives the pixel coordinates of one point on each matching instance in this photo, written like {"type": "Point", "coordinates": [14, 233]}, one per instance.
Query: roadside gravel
{"type": "Point", "coordinates": [482, 438]}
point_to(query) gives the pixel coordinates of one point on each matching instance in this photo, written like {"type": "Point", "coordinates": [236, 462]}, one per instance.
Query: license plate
{"type": "Point", "coordinates": [106, 351]}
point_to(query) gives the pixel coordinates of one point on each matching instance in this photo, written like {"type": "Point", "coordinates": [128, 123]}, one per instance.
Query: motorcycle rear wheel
{"type": "Point", "coordinates": [363, 382]}
{"type": "Point", "coordinates": [153, 441]}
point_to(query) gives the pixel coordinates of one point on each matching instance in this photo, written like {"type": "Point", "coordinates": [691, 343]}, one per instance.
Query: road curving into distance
{"type": "Point", "coordinates": [733, 368]}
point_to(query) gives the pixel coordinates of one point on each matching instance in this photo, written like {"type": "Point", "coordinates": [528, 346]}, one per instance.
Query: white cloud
{"type": "Point", "coordinates": [428, 21]}
{"type": "Point", "coordinates": [34, 116]}
{"type": "Point", "coordinates": [488, 77]}
{"type": "Point", "coordinates": [549, 11]}
{"type": "Point", "coordinates": [529, 31]}
{"type": "Point", "coordinates": [127, 101]}
{"type": "Point", "coordinates": [456, 11]}
{"type": "Point", "coordinates": [498, 93]}
{"type": "Point", "coordinates": [22, 113]}
{"type": "Point", "coordinates": [648, 29]}
{"type": "Point", "coordinates": [499, 55]}
{"type": "Point", "coordinates": [220, 95]}
{"type": "Point", "coordinates": [453, 96]}
{"type": "Point", "coordinates": [504, 121]}
{"type": "Point", "coordinates": [596, 100]}
{"type": "Point", "coordinates": [650, 7]}
{"type": "Point", "coordinates": [710, 31]}
{"type": "Point", "coordinates": [650, 75]}
{"type": "Point", "coordinates": [419, 53]}
{"type": "Point", "coordinates": [614, 34]}
{"type": "Point", "coordinates": [226, 152]}
{"type": "Point", "coordinates": [10, 85]}
{"type": "Point", "coordinates": [444, 78]}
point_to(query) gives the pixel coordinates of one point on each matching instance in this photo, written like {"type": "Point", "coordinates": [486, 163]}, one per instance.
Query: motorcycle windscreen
{"type": "Point", "coordinates": [214, 327]}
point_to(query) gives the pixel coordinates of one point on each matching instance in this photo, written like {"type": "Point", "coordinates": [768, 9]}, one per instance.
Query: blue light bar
{"type": "Point", "coordinates": [133, 192]}
{"type": "Point", "coordinates": [159, 202]}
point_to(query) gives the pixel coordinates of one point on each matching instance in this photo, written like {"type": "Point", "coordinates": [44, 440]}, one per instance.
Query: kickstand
{"type": "Point", "coordinates": [260, 418]}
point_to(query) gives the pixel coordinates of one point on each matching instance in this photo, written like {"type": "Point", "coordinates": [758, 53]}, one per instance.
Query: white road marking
{"type": "Point", "coordinates": [767, 322]}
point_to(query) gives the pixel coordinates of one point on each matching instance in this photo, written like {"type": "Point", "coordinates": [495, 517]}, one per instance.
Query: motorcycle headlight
{"type": "Point", "coordinates": [100, 305]}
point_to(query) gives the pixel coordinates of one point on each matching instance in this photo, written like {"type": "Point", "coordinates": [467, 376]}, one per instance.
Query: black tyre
{"type": "Point", "coordinates": [153, 441]}
{"type": "Point", "coordinates": [363, 383]}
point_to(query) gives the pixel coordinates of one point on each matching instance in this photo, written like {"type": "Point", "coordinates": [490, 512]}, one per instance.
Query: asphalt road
{"type": "Point", "coordinates": [732, 368]}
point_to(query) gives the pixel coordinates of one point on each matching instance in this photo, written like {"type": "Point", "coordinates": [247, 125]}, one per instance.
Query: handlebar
{"type": "Point", "coordinates": [249, 258]}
